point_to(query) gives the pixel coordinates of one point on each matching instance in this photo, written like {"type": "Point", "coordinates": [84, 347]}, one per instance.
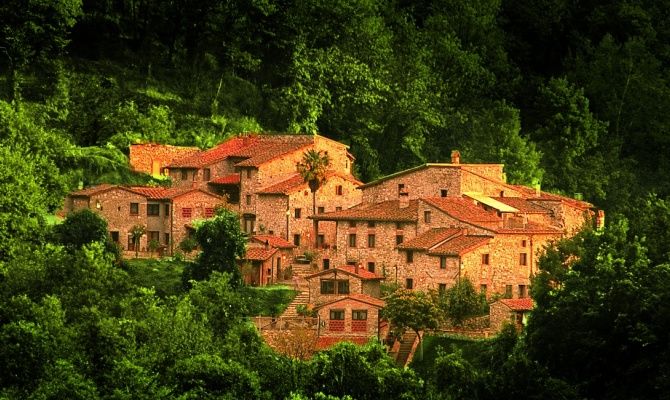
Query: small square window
{"type": "Point", "coordinates": [409, 283]}
{"type": "Point", "coordinates": [402, 189]}
{"type": "Point", "coordinates": [359, 315]}
{"type": "Point", "coordinates": [371, 240]}
{"type": "Point", "coordinates": [342, 287]}
{"type": "Point", "coordinates": [523, 259]}
{"type": "Point", "coordinates": [337, 315]}
{"type": "Point", "coordinates": [371, 266]}
{"type": "Point", "coordinates": [371, 224]}
{"type": "Point", "coordinates": [485, 259]}
{"type": "Point", "coordinates": [339, 190]}
{"type": "Point", "coordinates": [523, 291]}
{"type": "Point", "coordinates": [508, 291]}
{"type": "Point", "coordinates": [426, 216]}
{"type": "Point", "coordinates": [444, 192]}
{"type": "Point", "coordinates": [153, 209]}
{"type": "Point", "coordinates": [352, 240]}
{"type": "Point", "coordinates": [297, 213]}
{"type": "Point", "coordinates": [186, 212]}
{"type": "Point", "coordinates": [523, 243]}
{"type": "Point", "coordinates": [327, 287]}
{"type": "Point", "coordinates": [399, 239]}
{"type": "Point", "coordinates": [443, 262]}
{"type": "Point", "coordinates": [134, 208]}
{"type": "Point", "coordinates": [320, 210]}
{"type": "Point", "coordinates": [326, 263]}
{"type": "Point", "coordinates": [410, 256]}
{"type": "Point", "coordinates": [296, 239]}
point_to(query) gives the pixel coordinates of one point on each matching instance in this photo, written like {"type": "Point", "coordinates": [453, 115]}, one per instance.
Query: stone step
{"type": "Point", "coordinates": [405, 349]}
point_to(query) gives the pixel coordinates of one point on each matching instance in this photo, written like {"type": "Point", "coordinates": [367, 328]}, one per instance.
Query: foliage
{"type": "Point", "coordinates": [222, 243]}
{"type": "Point", "coordinates": [601, 294]}
{"type": "Point", "coordinates": [82, 227]}
{"type": "Point", "coordinates": [162, 276]}
{"type": "Point", "coordinates": [188, 245]}
{"type": "Point", "coordinates": [136, 233]}
{"type": "Point", "coordinates": [268, 300]}
{"type": "Point", "coordinates": [460, 302]}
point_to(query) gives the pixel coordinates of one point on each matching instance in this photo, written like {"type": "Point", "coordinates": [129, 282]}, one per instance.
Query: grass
{"type": "Point", "coordinates": [473, 350]}
{"type": "Point", "coordinates": [268, 301]}
{"type": "Point", "coordinates": [164, 275]}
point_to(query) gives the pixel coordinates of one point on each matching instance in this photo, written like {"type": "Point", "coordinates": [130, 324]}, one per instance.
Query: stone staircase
{"type": "Point", "coordinates": [301, 298]}
{"type": "Point", "coordinates": [406, 347]}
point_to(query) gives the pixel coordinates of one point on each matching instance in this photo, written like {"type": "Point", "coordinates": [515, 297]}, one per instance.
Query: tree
{"type": "Point", "coordinates": [601, 315]}
{"type": "Point", "coordinates": [82, 227]}
{"type": "Point", "coordinates": [222, 243]}
{"type": "Point", "coordinates": [414, 310]}
{"type": "Point", "coordinates": [461, 302]}
{"type": "Point", "coordinates": [313, 168]}
{"type": "Point", "coordinates": [136, 233]}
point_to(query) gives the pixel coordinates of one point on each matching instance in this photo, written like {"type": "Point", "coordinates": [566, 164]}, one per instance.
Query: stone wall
{"type": "Point", "coordinates": [423, 182]}
{"type": "Point", "coordinates": [199, 203]}
{"type": "Point", "coordinates": [152, 158]}
{"type": "Point", "coordinates": [371, 324]}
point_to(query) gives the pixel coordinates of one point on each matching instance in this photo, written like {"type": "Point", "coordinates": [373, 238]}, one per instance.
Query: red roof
{"type": "Point", "coordinates": [463, 209]}
{"type": "Point", "coordinates": [325, 342]}
{"type": "Point", "coordinates": [350, 270]}
{"type": "Point", "coordinates": [384, 211]}
{"type": "Point", "coordinates": [533, 195]}
{"type": "Point", "coordinates": [215, 154]}
{"type": "Point", "coordinates": [273, 241]}
{"type": "Point", "coordinates": [460, 245]}
{"type": "Point", "coordinates": [231, 179]}
{"type": "Point", "coordinates": [523, 205]}
{"type": "Point", "coordinates": [259, 254]}
{"type": "Point", "coordinates": [363, 298]}
{"type": "Point", "coordinates": [524, 304]}
{"type": "Point", "coordinates": [161, 193]}
{"type": "Point", "coordinates": [429, 238]}
{"type": "Point", "coordinates": [270, 147]}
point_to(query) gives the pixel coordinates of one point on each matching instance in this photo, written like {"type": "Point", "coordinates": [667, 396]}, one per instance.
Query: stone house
{"type": "Point", "coordinates": [514, 311]}
{"type": "Point", "coordinates": [266, 259]}
{"type": "Point", "coordinates": [166, 213]}
{"type": "Point", "coordinates": [153, 158]}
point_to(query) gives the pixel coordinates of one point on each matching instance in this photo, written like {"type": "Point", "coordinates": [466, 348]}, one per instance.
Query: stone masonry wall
{"type": "Point", "coordinates": [198, 202]}
{"type": "Point", "coordinates": [315, 296]}
{"type": "Point", "coordinates": [425, 182]}
{"type": "Point", "coordinates": [153, 158]}
{"type": "Point", "coordinates": [349, 305]}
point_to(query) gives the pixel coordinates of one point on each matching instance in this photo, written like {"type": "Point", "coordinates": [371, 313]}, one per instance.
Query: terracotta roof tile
{"type": "Point", "coordinates": [531, 194]}
{"type": "Point", "coordinates": [230, 179]}
{"type": "Point", "coordinates": [273, 241]}
{"type": "Point", "coordinates": [384, 211]}
{"type": "Point", "coordinates": [523, 205]}
{"type": "Point", "coordinates": [460, 245]}
{"type": "Point", "coordinates": [429, 238]}
{"type": "Point", "coordinates": [463, 209]}
{"type": "Point", "coordinates": [531, 227]}
{"type": "Point", "coordinates": [270, 147]}
{"type": "Point", "coordinates": [363, 298]}
{"type": "Point", "coordinates": [161, 193]}
{"type": "Point", "coordinates": [524, 304]}
{"type": "Point", "coordinates": [349, 270]}
{"type": "Point", "coordinates": [216, 153]}
{"type": "Point", "coordinates": [259, 254]}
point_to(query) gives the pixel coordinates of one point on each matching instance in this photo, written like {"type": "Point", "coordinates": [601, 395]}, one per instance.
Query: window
{"type": "Point", "coordinates": [485, 259]}
{"type": "Point", "coordinates": [523, 259]}
{"type": "Point", "coordinates": [338, 190]}
{"type": "Point", "coordinates": [426, 216]}
{"type": "Point", "coordinates": [352, 240]}
{"type": "Point", "coordinates": [249, 173]}
{"type": "Point", "coordinates": [186, 212]}
{"type": "Point", "coordinates": [343, 287]}
{"type": "Point", "coordinates": [209, 212]}
{"type": "Point", "coordinates": [134, 208]}
{"type": "Point", "coordinates": [115, 236]}
{"type": "Point", "coordinates": [371, 240]}
{"type": "Point", "coordinates": [482, 289]}
{"type": "Point", "coordinates": [401, 188]}
{"type": "Point", "coordinates": [154, 236]}
{"type": "Point", "coordinates": [320, 240]}
{"type": "Point", "coordinates": [184, 174]}
{"type": "Point", "coordinates": [206, 174]}
{"type": "Point", "coordinates": [508, 291]}
{"type": "Point", "coordinates": [326, 263]}
{"type": "Point", "coordinates": [296, 239]}
{"type": "Point", "coordinates": [371, 224]}
{"type": "Point", "coordinates": [523, 243]}
{"type": "Point", "coordinates": [320, 210]}
{"type": "Point", "coordinates": [371, 266]}
{"type": "Point", "coordinates": [337, 315]}
{"type": "Point", "coordinates": [359, 315]}
{"type": "Point", "coordinates": [249, 223]}
{"type": "Point", "coordinates": [166, 238]}
{"type": "Point", "coordinates": [523, 291]}
{"type": "Point", "coordinates": [297, 213]}
{"type": "Point", "coordinates": [327, 287]}
{"type": "Point", "coordinates": [443, 193]}
{"type": "Point", "coordinates": [131, 243]}
{"type": "Point", "coordinates": [443, 262]}
{"type": "Point", "coordinates": [336, 322]}
{"type": "Point", "coordinates": [410, 256]}
{"type": "Point", "coordinates": [398, 239]}
{"type": "Point", "coordinates": [409, 283]}
{"type": "Point", "coordinates": [248, 199]}
{"type": "Point", "coordinates": [399, 226]}
{"type": "Point", "coordinates": [352, 224]}
{"type": "Point", "coordinates": [153, 209]}
{"type": "Point", "coordinates": [442, 288]}
{"type": "Point", "coordinates": [166, 209]}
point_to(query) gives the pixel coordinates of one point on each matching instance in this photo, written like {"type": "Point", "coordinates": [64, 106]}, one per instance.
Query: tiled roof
{"type": "Point", "coordinates": [216, 153]}
{"type": "Point", "coordinates": [296, 182]}
{"type": "Point", "coordinates": [273, 241]}
{"type": "Point", "coordinates": [384, 211]}
{"type": "Point", "coordinates": [460, 245]}
{"type": "Point", "coordinates": [531, 194]}
{"type": "Point", "coordinates": [230, 179]}
{"type": "Point", "coordinates": [325, 342]}
{"type": "Point", "coordinates": [463, 209]}
{"type": "Point", "coordinates": [270, 147]}
{"type": "Point", "coordinates": [349, 270]}
{"type": "Point", "coordinates": [429, 238]}
{"type": "Point", "coordinates": [530, 227]}
{"type": "Point", "coordinates": [259, 254]}
{"type": "Point", "coordinates": [524, 304]}
{"type": "Point", "coordinates": [160, 193]}
{"type": "Point", "coordinates": [91, 190]}
{"type": "Point", "coordinates": [364, 298]}
{"type": "Point", "coordinates": [523, 205]}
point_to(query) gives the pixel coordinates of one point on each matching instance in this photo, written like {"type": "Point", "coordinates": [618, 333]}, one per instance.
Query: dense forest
{"type": "Point", "coordinates": [571, 96]}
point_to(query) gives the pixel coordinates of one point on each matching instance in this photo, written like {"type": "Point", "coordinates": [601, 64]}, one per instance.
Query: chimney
{"type": "Point", "coordinates": [455, 157]}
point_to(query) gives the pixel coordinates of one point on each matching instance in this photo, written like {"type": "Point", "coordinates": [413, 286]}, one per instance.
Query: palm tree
{"type": "Point", "coordinates": [313, 168]}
